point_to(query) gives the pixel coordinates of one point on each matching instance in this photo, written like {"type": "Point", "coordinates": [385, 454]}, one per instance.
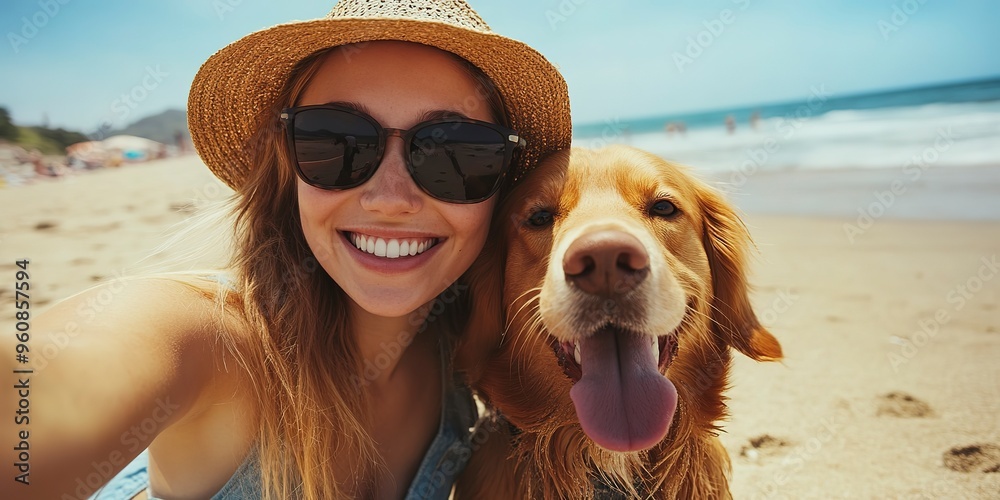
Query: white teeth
{"type": "Point", "coordinates": [656, 348]}
{"type": "Point", "coordinates": [576, 353]}
{"type": "Point", "coordinates": [391, 248]}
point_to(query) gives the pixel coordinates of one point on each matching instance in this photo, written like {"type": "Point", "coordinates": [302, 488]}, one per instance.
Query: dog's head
{"type": "Point", "coordinates": [624, 284]}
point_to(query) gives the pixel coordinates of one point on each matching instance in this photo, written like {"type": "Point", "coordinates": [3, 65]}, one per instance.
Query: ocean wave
{"type": "Point", "coordinates": [952, 134]}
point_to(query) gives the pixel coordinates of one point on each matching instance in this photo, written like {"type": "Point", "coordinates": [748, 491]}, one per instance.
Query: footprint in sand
{"type": "Point", "coordinates": [183, 207]}
{"type": "Point", "coordinates": [764, 445]}
{"type": "Point", "coordinates": [974, 458]}
{"type": "Point", "coordinates": [151, 219]}
{"type": "Point", "coordinates": [901, 404]}
{"type": "Point", "coordinates": [81, 261]}
{"type": "Point", "coordinates": [45, 225]}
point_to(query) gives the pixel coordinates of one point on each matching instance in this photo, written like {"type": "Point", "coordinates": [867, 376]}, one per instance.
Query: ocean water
{"type": "Point", "coordinates": [951, 125]}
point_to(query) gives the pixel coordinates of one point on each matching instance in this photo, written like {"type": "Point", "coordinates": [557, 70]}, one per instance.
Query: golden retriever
{"type": "Point", "coordinates": [623, 287]}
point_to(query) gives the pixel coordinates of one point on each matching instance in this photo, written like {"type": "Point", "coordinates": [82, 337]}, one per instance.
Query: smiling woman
{"type": "Point", "coordinates": [389, 209]}
{"type": "Point", "coordinates": [367, 151]}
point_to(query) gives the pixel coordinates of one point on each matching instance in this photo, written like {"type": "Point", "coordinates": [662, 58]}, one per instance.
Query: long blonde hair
{"type": "Point", "coordinates": [298, 356]}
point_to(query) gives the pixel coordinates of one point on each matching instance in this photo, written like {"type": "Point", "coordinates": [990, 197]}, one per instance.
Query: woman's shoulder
{"type": "Point", "coordinates": [193, 313]}
{"type": "Point", "coordinates": [180, 297]}
{"type": "Point", "coordinates": [191, 299]}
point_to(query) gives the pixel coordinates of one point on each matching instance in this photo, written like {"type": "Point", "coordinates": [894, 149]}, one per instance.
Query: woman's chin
{"type": "Point", "coordinates": [392, 304]}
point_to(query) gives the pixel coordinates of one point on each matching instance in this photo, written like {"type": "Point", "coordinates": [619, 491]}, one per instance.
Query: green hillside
{"type": "Point", "coordinates": [162, 127]}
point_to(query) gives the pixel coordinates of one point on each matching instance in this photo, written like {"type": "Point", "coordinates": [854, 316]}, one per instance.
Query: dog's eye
{"type": "Point", "coordinates": [663, 208]}
{"type": "Point", "coordinates": [540, 218]}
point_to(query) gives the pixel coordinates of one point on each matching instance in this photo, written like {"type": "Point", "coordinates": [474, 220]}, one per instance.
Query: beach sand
{"type": "Point", "coordinates": [891, 377]}
{"type": "Point", "coordinates": [890, 387]}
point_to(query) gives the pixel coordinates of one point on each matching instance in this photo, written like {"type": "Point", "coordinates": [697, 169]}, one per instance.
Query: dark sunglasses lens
{"type": "Point", "coordinates": [334, 149]}
{"type": "Point", "coordinates": [458, 161]}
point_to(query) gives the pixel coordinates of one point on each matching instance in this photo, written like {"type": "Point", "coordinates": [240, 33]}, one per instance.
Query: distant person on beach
{"type": "Point", "coordinates": [38, 163]}
{"type": "Point", "coordinates": [676, 127]}
{"type": "Point", "coordinates": [730, 124]}
{"type": "Point", "coordinates": [754, 120]}
{"type": "Point", "coordinates": [180, 143]}
{"type": "Point", "coordinates": [319, 365]}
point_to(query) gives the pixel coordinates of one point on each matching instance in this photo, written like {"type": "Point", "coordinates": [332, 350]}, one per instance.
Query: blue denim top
{"type": "Point", "coordinates": [447, 456]}
{"type": "Point", "coordinates": [444, 460]}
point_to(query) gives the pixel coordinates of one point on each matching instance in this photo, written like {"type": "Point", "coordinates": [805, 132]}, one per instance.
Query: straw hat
{"type": "Point", "coordinates": [242, 80]}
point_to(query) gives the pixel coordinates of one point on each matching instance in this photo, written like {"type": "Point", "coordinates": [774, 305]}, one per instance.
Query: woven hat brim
{"type": "Point", "coordinates": [242, 80]}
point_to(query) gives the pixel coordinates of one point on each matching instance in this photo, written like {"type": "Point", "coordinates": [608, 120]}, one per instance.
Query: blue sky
{"type": "Point", "coordinates": [622, 59]}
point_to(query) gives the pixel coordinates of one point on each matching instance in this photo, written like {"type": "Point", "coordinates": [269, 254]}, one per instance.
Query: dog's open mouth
{"type": "Point", "coordinates": [568, 354]}
{"type": "Point", "coordinates": [622, 399]}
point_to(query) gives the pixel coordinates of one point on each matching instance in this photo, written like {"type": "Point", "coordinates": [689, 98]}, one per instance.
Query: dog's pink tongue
{"type": "Point", "coordinates": [622, 400]}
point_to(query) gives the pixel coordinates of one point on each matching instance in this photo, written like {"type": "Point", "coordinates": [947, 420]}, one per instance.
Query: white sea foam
{"type": "Point", "coordinates": [874, 138]}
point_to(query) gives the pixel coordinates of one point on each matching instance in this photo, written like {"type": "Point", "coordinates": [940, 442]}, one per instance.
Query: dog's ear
{"type": "Point", "coordinates": [480, 339]}
{"type": "Point", "coordinates": [727, 242]}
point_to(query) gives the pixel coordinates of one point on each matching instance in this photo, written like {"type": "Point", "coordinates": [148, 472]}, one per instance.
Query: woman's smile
{"type": "Point", "coordinates": [390, 247]}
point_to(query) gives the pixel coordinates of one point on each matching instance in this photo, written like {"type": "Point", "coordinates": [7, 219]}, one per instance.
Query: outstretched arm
{"type": "Point", "coordinates": [112, 368]}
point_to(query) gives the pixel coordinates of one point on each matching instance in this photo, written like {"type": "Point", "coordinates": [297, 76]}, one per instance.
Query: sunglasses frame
{"type": "Point", "coordinates": [512, 144]}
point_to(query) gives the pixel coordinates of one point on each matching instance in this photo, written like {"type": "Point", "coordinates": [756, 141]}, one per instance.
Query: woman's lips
{"type": "Point", "coordinates": [391, 248]}
{"type": "Point", "coordinates": [379, 258]}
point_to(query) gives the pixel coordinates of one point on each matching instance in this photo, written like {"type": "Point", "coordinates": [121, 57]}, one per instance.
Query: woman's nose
{"type": "Point", "coordinates": [391, 190]}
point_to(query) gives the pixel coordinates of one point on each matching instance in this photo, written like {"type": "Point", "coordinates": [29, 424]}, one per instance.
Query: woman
{"type": "Point", "coordinates": [366, 150]}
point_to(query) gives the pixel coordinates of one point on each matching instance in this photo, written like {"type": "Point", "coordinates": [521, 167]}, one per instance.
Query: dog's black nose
{"type": "Point", "coordinates": [607, 262]}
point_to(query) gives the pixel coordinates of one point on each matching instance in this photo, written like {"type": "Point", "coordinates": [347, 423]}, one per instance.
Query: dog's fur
{"type": "Point", "coordinates": [696, 290]}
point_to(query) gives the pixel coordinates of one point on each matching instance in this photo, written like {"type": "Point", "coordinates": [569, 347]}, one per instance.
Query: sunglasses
{"type": "Point", "coordinates": [456, 160]}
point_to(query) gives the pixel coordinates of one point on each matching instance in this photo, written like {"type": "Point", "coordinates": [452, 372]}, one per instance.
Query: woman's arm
{"type": "Point", "coordinates": [112, 368]}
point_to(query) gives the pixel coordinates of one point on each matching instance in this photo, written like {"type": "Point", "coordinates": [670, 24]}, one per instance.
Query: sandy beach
{"type": "Point", "coordinates": [891, 330]}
